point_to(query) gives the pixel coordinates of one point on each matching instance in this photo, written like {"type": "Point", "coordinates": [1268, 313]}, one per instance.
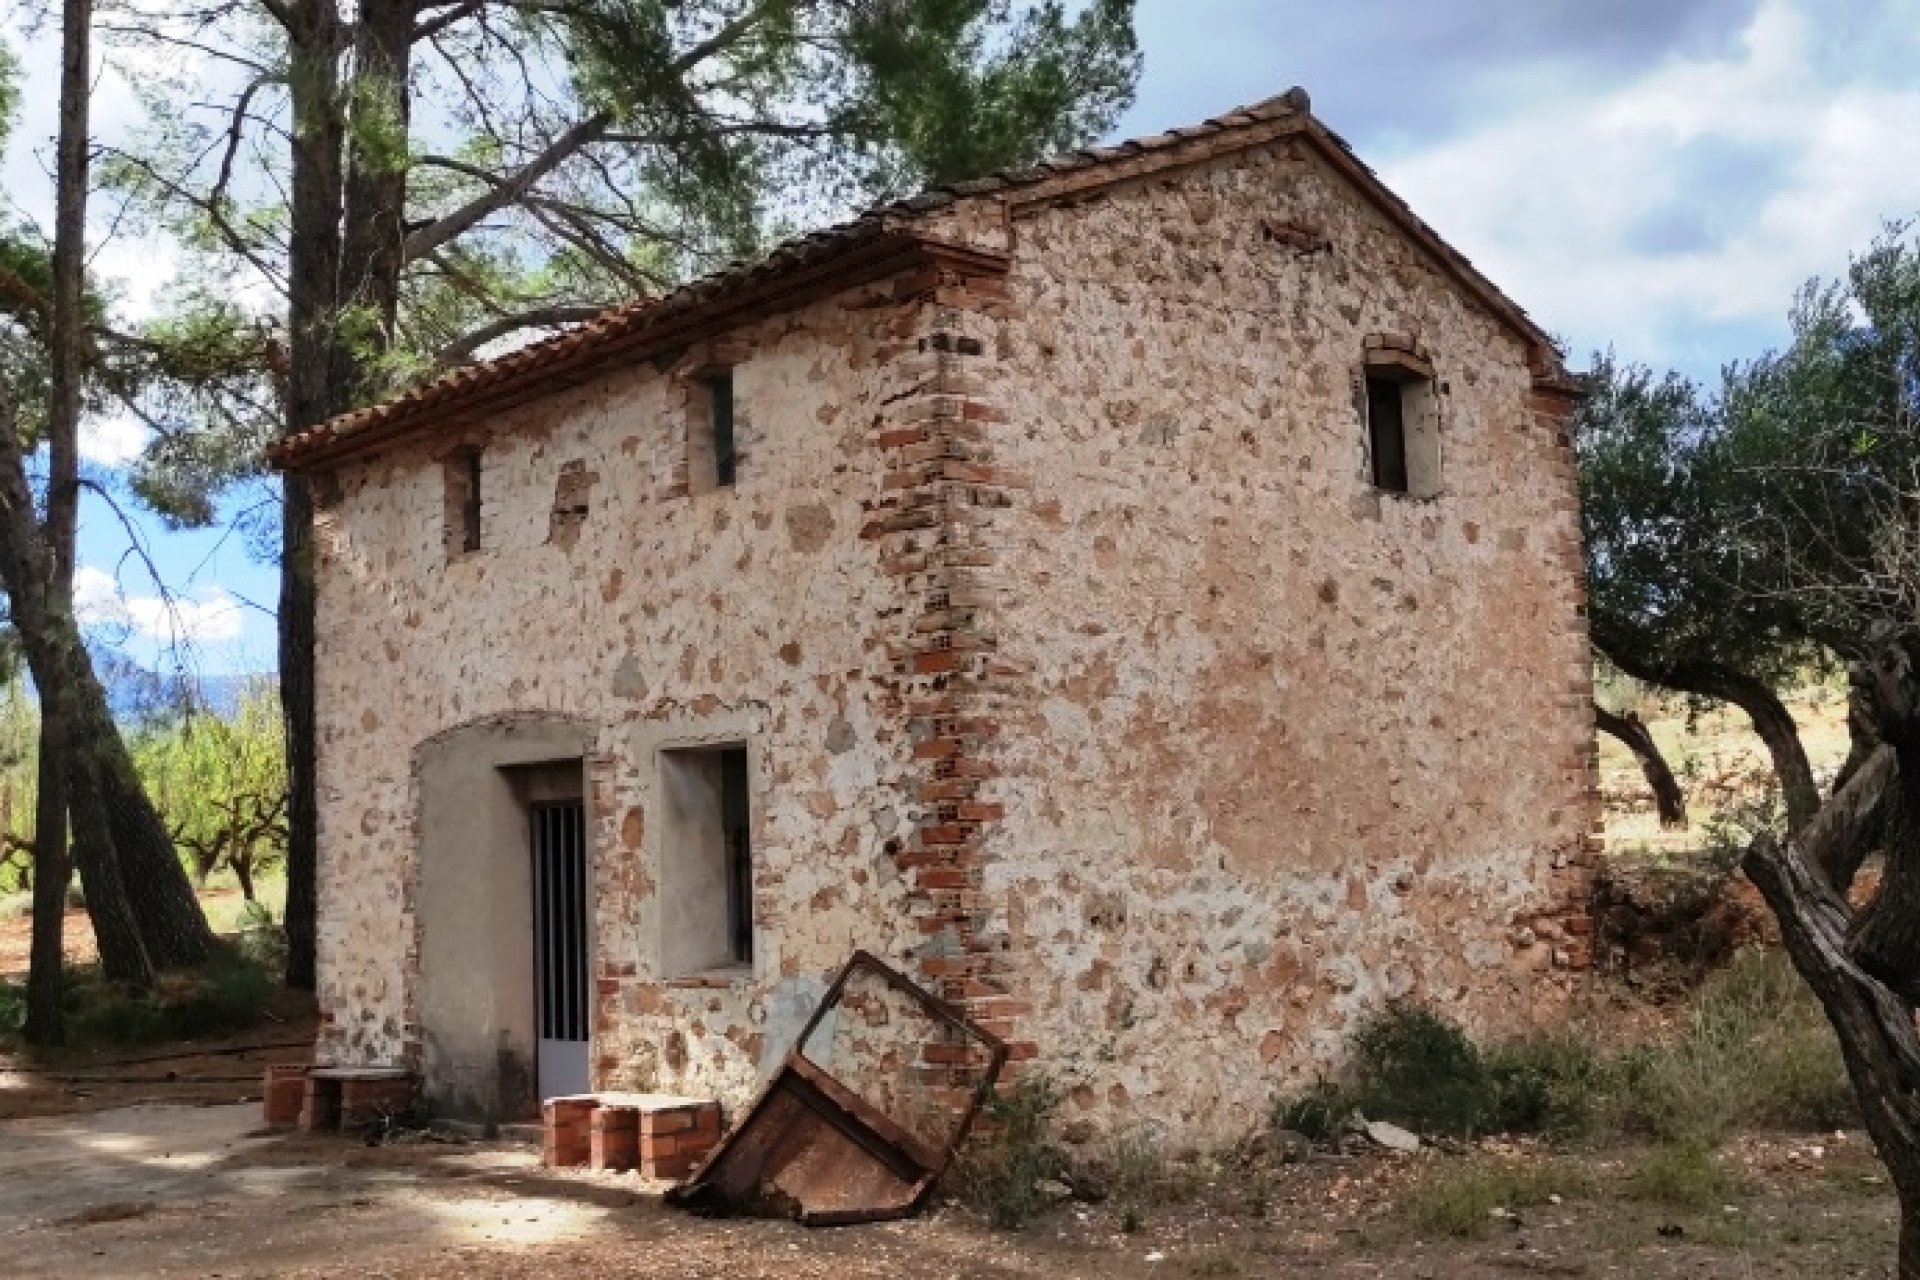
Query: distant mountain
{"type": "Point", "coordinates": [136, 694]}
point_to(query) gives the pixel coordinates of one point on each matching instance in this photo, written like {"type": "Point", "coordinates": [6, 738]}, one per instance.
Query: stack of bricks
{"type": "Point", "coordinates": [283, 1095]}
{"type": "Point", "coordinates": [657, 1135]}
{"type": "Point", "coordinates": [346, 1097]}
{"type": "Point", "coordinates": [564, 1130]}
{"type": "Point", "coordinates": [672, 1140]}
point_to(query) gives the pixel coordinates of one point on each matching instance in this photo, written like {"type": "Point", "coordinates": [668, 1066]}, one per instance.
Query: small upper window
{"type": "Point", "coordinates": [713, 437]}
{"type": "Point", "coordinates": [1387, 434]}
{"type": "Point", "coordinates": [1403, 423]}
{"type": "Point", "coordinates": [462, 474]}
{"type": "Point", "coordinates": [720, 421]}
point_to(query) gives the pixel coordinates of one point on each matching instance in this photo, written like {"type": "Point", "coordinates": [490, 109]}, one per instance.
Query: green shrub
{"type": "Point", "coordinates": [230, 994]}
{"type": "Point", "coordinates": [1316, 1112]}
{"type": "Point", "coordinates": [263, 940]}
{"type": "Point", "coordinates": [1754, 1051]}
{"type": "Point", "coordinates": [1546, 1084]}
{"type": "Point", "coordinates": [1416, 1068]}
{"type": "Point", "coordinates": [1453, 1199]}
{"type": "Point", "coordinates": [13, 1006]}
{"type": "Point", "coordinates": [1001, 1169]}
{"type": "Point", "coordinates": [1682, 1175]}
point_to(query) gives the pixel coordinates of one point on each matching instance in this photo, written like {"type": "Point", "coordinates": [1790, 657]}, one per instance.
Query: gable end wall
{"type": "Point", "coordinates": [1287, 748]}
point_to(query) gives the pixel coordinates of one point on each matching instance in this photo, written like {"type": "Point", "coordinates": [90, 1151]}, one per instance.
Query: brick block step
{"type": "Point", "coordinates": [336, 1097]}
{"type": "Point", "coordinates": [283, 1095]}
{"type": "Point", "coordinates": [658, 1134]}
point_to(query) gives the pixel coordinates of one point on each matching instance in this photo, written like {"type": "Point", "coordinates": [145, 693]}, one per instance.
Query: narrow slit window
{"type": "Point", "coordinates": [462, 474]}
{"type": "Point", "coordinates": [1387, 433]}
{"type": "Point", "coordinates": [720, 420]}
{"type": "Point", "coordinates": [470, 510]}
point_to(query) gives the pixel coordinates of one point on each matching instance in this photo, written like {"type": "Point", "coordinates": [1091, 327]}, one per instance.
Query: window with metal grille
{"type": "Point", "coordinates": [737, 837]}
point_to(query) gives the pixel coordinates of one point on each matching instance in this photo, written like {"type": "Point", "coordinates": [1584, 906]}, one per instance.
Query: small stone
{"type": "Point", "coordinates": [1053, 1191]}
{"type": "Point", "coordinates": [1392, 1137]}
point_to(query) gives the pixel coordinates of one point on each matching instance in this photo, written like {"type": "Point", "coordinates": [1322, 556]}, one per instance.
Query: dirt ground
{"type": "Point", "coordinates": [172, 1190]}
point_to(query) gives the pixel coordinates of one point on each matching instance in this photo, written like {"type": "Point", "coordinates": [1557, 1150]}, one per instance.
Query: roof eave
{"type": "Point", "coordinates": [887, 252]}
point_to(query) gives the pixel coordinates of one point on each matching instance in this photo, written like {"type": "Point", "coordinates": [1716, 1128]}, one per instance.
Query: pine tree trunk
{"type": "Point", "coordinates": [298, 714]}
{"type": "Point", "coordinates": [53, 869]}
{"type": "Point", "coordinates": [170, 917]}
{"type": "Point", "coordinates": [162, 897]}
{"type": "Point", "coordinates": [316, 40]}
{"type": "Point", "coordinates": [124, 954]}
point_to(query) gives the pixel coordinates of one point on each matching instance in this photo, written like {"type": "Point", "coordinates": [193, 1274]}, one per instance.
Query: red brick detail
{"type": "Point", "coordinates": [319, 1106]}
{"type": "Point", "coordinates": [613, 1139]}
{"type": "Point", "coordinates": [565, 1131]}
{"type": "Point", "coordinates": [935, 522]}
{"type": "Point", "coordinates": [1551, 402]}
{"type": "Point", "coordinates": [283, 1095]}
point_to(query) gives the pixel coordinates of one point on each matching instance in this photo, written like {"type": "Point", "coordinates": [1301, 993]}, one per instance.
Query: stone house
{"type": "Point", "coordinates": [1141, 596]}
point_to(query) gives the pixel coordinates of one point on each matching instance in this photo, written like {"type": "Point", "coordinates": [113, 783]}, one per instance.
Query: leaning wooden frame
{"type": "Point", "coordinates": [862, 1131]}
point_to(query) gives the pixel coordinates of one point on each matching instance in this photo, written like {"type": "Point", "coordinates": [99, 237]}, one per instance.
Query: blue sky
{"type": "Point", "coordinates": [1658, 176]}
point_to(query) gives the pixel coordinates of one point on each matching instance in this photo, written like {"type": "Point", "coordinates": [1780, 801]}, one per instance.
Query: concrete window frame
{"type": "Point", "coordinates": [685, 851]}
{"type": "Point", "coordinates": [714, 417]}
{"type": "Point", "coordinates": [1397, 366]}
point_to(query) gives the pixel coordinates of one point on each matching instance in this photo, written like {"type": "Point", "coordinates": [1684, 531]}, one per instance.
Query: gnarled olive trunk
{"type": "Point", "coordinates": [1863, 976]}
{"type": "Point", "coordinates": [1770, 718]}
{"type": "Point", "coordinates": [1669, 801]}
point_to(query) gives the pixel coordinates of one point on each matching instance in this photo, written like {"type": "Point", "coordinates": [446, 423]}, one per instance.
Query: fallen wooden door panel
{"type": "Point", "coordinates": [864, 1135]}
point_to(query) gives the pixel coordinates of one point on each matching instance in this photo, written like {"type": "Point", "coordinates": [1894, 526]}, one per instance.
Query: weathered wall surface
{"type": "Point", "coordinates": [1083, 670]}
{"type": "Point", "coordinates": [661, 619]}
{"type": "Point", "coordinates": [1285, 747]}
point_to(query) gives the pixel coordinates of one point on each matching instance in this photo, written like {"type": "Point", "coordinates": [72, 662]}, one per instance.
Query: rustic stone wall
{"type": "Point", "coordinates": [1085, 673]}
{"type": "Point", "coordinates": [605, 593]}
{"type": "Point", "coordinates": [1284, 747]}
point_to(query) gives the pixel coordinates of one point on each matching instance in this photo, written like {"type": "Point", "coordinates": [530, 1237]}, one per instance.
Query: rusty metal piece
{"type": "Point", "coordinates": [864, 1135]}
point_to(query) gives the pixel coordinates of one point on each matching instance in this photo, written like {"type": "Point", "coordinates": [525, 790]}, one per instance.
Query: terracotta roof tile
{"type": "Point", "coordinates": [575, 349]}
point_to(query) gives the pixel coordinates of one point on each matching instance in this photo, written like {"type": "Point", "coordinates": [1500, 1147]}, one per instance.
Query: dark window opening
{"type": "Point", "coordinates": [1387, 434]}
{"type": "Point", "coordinates": [720, 420]}
{"type": "Point", "coordinates": [736, 829]}
{"type": "Point", "coordinates": [470, 509]}
{"type": "Point", "coordinates": [461, 472]}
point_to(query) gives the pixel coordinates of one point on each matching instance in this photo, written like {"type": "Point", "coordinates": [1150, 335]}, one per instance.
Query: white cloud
{"type": "Point", "coordinates": [1697, 194]}
{"type": "Point", "coordinates": [114, 441]}
{"type": "Point", "coordinates": [210, 616]}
